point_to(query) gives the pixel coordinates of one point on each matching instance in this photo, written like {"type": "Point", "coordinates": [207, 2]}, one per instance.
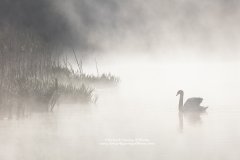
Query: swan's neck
{"type": "Point", "coordinates": [180, 105]}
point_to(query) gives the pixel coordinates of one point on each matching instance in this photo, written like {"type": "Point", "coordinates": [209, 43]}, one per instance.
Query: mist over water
{"type": "Point", "coordinates": [139, 118]}
{"type": "Point", "coordinates": [156, 48]}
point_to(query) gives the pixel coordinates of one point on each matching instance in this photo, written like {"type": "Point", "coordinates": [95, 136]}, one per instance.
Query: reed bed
{"type": "Point", "coordinates": [28, 71]}
{"type": "Point", "coordinates": [67, 73]}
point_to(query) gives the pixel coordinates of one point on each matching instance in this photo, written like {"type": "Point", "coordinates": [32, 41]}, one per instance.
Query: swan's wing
{"type": "Point", "coordinates": [193, 102]}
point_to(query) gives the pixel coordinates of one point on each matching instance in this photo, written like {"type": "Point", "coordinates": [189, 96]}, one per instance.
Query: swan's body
{"type": "Point", "coordinates": [191, 105]}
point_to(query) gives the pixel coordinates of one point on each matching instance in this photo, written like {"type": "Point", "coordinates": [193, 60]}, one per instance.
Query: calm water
{"type": "Point", "coordinates": [138, 120]}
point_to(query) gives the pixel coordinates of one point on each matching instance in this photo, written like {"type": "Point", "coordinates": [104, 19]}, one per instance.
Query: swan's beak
{"type": "Point", "coordinates": [177, 94]}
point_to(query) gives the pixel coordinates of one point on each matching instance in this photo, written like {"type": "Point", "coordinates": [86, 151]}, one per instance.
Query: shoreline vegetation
{"type": "Point", "coordinates": [30, 76]}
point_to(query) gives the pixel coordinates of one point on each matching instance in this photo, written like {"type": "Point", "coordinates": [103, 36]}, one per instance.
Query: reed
{"type": "Point", "coordinates": [67, 73]}
{"type": "Point", "coordinates": [28, 70]}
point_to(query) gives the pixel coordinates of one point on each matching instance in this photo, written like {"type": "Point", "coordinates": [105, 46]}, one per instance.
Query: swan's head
{"type": "Point", "coordinates": [180, 92]}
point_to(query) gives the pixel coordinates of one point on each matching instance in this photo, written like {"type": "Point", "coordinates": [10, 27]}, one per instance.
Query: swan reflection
{"type": "Point", "coordinates": [191, 110]}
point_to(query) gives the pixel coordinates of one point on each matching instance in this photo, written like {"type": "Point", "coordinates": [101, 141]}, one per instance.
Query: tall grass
{"type": "Point", "coordinates": [66, 72]}
{"type": "Point", "coordinates": [27, 71]}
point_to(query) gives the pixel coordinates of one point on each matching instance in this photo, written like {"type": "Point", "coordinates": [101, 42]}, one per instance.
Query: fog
{"type": "Point", "coordinates": [108, 25]}
{"type": "Point", "coordinates": [155, 48]}
{"type": "Point", "coordinates": [139, 118]}
{"type": "Point", "coordinates": [208, 27]}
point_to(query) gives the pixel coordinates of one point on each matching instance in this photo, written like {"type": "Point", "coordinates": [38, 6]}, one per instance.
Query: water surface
{"type": "Point", "coordinates": [137, 120]}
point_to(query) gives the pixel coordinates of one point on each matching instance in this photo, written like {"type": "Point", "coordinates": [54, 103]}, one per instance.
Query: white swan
{"type": "Point", "coordinates": [191, 104]}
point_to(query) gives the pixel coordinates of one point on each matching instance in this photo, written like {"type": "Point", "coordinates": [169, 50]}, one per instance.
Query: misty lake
{"type": "Point", "coordinates": [109, 79]}
{"type": "Point", "coordinates": [138, 119]}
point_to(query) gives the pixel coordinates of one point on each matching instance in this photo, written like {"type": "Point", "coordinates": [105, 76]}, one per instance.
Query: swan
{"type": "Point", "coordinates": [191, 104]}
